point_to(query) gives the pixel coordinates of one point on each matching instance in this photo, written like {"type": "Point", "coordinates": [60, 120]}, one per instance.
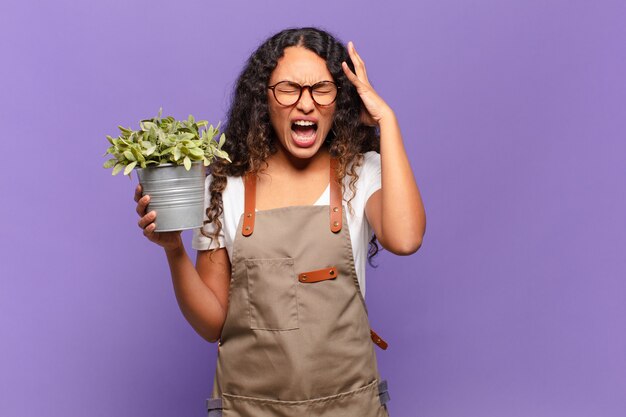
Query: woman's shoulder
{"type": "Point", "coordinates": [369, 159]}
{"type": "Point", "coordinates": [232, 193]}
{"type": "Point", "coordinates": [368, 173]}
{"type": "Point", "coordinates": [231, 182]}
{"type": "Point", "coordinates": [369, 165]}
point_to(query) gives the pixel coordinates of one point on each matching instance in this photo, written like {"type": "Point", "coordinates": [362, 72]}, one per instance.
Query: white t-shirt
{"type": "Point", "coordinates": [360, 229]}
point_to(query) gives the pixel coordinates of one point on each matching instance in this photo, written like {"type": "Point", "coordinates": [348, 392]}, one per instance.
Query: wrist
{"type": "Point", "coordinates": [387, 116]}
{"type": "Point", "coordinates": [176, 248]}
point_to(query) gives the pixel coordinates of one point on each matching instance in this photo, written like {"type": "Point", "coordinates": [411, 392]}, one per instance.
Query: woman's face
{"type": "Point", "coordinates": [292, 124]}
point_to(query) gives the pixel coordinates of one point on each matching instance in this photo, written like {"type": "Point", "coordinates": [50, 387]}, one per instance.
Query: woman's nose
{"type": "Point", "coordinates": [306, 103]}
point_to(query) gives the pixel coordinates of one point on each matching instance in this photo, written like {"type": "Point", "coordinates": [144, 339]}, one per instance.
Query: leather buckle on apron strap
{"type": "Point", "coordinates": [249, 204]}
{"type": "Point", "coordinates": [378, 340]}
{"type": "Point", "coordinates": [336, 217]}
{"type": "Point", "coordinates": [318, 275]}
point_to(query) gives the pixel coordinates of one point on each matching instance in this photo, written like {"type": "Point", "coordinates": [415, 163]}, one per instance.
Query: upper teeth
{"type": "Point", "coordinates": [303, 123]}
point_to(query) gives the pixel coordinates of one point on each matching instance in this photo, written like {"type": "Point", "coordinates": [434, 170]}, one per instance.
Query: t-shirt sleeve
{"type": "Point", "coordinates": [200, 241]}
{"type": "Point", "coordinates": [370, 174]}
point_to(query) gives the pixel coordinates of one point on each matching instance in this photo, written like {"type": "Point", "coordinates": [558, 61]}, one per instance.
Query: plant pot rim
{"type": "Point", "coordinates": [170, 164]}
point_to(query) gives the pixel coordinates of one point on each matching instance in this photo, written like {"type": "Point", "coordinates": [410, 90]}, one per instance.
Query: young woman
{"type": "Point", "coordinates": [279, 275]}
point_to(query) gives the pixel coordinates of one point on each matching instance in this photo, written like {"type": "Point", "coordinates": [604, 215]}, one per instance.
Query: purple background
{"type": "Point", "coordinates": [513, 114]}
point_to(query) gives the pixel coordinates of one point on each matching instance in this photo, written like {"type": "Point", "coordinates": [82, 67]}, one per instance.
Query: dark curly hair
{"type": "Point", "coordinates": [251, 137]}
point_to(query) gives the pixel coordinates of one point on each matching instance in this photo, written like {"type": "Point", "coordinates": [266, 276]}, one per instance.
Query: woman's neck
{"type": "Point", "coordinates": [287, 164]}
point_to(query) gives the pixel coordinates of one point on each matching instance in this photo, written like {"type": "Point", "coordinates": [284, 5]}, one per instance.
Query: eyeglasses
{"type": "Point", "coordinates": [287, 93]}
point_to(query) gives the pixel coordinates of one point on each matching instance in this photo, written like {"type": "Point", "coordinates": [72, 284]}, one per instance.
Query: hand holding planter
{"type": "Point", "coordinates": [168, 240]}
{"type": "Point", "coordinates": [170, 157]}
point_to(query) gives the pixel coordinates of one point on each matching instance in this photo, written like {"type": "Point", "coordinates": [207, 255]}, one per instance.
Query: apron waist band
{"type": "Point", "coordinates": [214, 405]}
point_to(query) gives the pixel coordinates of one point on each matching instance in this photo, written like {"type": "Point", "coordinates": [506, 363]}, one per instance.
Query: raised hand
{"type": "Point", "coordinates": [168, 240]}
{"type": "Point", "coordinates": [375, 108]}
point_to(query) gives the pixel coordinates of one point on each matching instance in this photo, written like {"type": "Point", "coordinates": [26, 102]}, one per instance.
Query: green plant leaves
{"type": "Point", "coordinates": [162, 140]}
{"type": "Point", "coordinates": [177, 153]}
{"type": "Point", "coordinates": [129, 155]}
{"type": "Point", "coordinates": [129, 168]}
{"type": "Point", "coordinates": [149, 151]}
{"type": "Point", "coordinates": [197, 152]}
{"type": "Point", "coordinates": [125, 132]}
{"type": "Point", "coordinates": [117, 168]}
{"type": "Point", "coordinates": [220, 153]}
{"type": "Point", "coordinates": [145, 126]}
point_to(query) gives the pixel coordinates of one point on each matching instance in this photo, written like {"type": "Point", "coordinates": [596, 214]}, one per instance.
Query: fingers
{"type": "Point", "coordinates": [147, 224]}
{"type": "Point", "coordinates": [142, 205]}
{"type": "Point", "coordinates": [359, 77]}
{"type": "Point", "coordinates": [138, 192]}
{"type": "Point", "coordinates": [147, 220]}
{"type": "Point", "coordinates": [142, 202]}
{"type": "Point", "coordinates": [148, 231]}
{"type": "Point", "coordinates": [353, 78]}
{"type": "Point", "coordinates": [359, 65]}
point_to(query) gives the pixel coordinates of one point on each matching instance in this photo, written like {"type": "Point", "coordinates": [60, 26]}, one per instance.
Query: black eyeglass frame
{"type": "Point", "coordinates": [302, 87]}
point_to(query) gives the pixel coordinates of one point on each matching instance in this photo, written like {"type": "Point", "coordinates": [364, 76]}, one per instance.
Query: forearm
{"type": "Point", "coordinates": [403, 220]}
{"type": "Point", "coordinates": [196, 300]}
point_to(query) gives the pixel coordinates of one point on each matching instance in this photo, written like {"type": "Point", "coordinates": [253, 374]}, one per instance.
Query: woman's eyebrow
{"type": "Point", "coordinates": [296, 82]}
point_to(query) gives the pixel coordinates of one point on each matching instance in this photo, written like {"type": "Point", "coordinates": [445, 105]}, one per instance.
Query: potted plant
{"type": "Point", "coordinates": [170, 157]}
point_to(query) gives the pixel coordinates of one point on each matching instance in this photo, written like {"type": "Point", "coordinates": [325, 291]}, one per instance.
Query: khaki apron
{"type": "Point", "coordinates": [296, 341]}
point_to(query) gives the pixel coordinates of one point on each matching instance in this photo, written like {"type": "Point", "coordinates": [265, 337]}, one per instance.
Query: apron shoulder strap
{"type": "Point", "coordinates": [249, 204]}
{"type": "Point", "coordinates": [336, 208]}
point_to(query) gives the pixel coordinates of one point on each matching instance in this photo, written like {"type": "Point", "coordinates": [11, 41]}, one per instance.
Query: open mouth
{"type": "Point", "coordinates": [304, 132]}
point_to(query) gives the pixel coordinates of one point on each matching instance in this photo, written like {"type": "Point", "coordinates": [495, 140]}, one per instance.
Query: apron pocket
{"type": "Point", "coordinates": [362, 402]}
{"type": "Point", "coordinates": [272, 298]}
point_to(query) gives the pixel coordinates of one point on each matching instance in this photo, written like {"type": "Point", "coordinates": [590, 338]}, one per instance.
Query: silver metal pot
{"type": "Point", "coordinates": [177, 195]}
